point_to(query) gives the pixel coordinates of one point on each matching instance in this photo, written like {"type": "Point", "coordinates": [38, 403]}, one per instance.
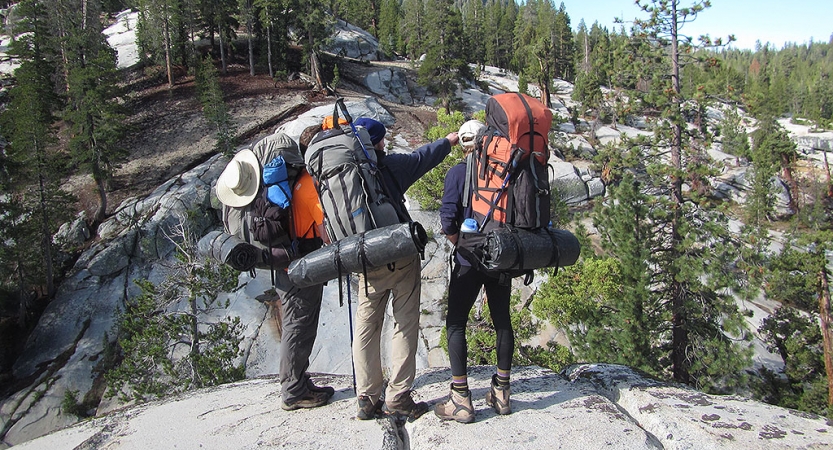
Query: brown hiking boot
{"type": "Point", "coordinates": [405, 406]}
{"type": "Point", "coordinates": [369, 410]}
{"type": "Point", "coordinates": [498, 397]}
{"type": "Point", "coordinates": [325, 389]}
{"type": "Point", "coordinates": [457, 407]}
{"type": "Point", "coordinates": [310, 400]}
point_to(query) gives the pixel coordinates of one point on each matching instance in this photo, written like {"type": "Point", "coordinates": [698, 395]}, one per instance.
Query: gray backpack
{"type": "Point", "coordinates": [261, 223]}
{"type": "Point", "coordinates": [350, 186]}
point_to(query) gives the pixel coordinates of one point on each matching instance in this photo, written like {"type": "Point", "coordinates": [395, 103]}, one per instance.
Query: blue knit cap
{"type": "Point", "coordinates": [374, 128]}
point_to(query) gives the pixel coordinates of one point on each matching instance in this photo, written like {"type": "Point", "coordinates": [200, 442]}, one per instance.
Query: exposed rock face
{"type": "Point", "coordinates": [390, 84]}
{"type": "Point", "coordinates": [586, 406]}
{"type": "Point", "coordinates": [355, 43]}
{"type": "Point", "coordinates": [575, 185]}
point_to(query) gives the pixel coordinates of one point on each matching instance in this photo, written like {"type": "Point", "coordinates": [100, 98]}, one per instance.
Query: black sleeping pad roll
{"type": "Point", "coordinates": [229, 249]}
{"type": "Point", "coordinates": [520, 249]}
{"type": "Point", "coordinates": [364, 251]}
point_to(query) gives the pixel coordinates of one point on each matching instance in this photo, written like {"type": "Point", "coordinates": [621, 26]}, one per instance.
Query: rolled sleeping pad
{"type": "Point", "coordinates": [358, 253]}
{"type": "Point", "coordinates": [229, 249]}
{"type": "Point", "coordinates": [515, 248]}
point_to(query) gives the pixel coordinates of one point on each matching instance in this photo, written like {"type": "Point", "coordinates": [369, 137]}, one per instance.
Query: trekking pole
{"type": "Point", "coordinates": [350, 323]}
{"type": "Point", "coordinates": [349, 120]}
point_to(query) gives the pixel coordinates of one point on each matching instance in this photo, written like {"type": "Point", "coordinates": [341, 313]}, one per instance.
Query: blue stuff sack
{"type": "Point", "coordinates": [276, 181]}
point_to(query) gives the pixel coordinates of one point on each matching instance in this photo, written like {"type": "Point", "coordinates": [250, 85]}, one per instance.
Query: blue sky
{"type": "Point", "coordinates": [773, 21]}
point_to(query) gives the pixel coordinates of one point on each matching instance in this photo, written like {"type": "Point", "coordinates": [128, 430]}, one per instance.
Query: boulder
{"type": "Point", "coordinates": [390, 84]}
{"type": "Point", "coordinates": [73, 234]}
{"type": "Point", "coordinates": [575, 186]}
{"type": "Point", "coordinates": [353, 42]}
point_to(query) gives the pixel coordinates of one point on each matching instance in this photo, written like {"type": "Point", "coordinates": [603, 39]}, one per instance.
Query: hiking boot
{"type": "Point", "coordinates": [367, 409]}
{"type": "Point", "coordinates": [457, 407]}
{"type": "Point", "coordinates": [405, 406]}
{"type": "Point", "coordinates": [310, 400]}
{"type": "Point", "coordinates": [498, 397]}
{"type": "Point", "coordinates": [325, 389]}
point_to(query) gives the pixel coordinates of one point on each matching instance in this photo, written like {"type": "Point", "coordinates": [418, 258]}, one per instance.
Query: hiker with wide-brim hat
{"type": "Point", "coordinates": [239, 183]}
{"type": "Point", "coordinates": [281, 234]}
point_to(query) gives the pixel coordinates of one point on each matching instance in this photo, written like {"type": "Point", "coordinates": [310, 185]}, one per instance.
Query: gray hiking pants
{"type": "Point", "coordinates": [300, 311]}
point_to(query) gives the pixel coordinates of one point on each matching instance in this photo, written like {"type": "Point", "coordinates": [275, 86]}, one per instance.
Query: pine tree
{"type": "Point", "coordinates": [247, 17]}
{"type": "Point", "coordinates": [389, 20]}
{"type": "Point", "coordinates": [445, 67]}
{"type": "Point", "coordinates": [92, 110]}
{"type": "Point", "coordinates": [157, 33]}
{"type": "Point", "coordinates": [544, 45]}
{"type": "Point", "coordinates": [475, 36]}
{"type": "Point", "coordinates": [605, 302]}
{"type": "Point", "coordinates": [412, 28]}
{"type": "Point", "coordinates": [214, 107]}
{"type": "Point", "coordinates": [166, 349]}
{"type": "Point", "coordinates": [274, 19]}
{"type": "Point", "coordinates": [34, 204]}
{"type": "Point", "coordinates": [760, 204]}
{"type": "Point", "coordinates": [735, 140]}
{"type": "Point", "coordinates": [688, 254]}
{"type": "Point", "coordinates": [794, 336]}
{"type": "Point", "coordinates": [800, 277]}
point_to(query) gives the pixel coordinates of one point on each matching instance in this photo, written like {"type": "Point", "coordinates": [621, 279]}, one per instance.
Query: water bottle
{"type": "Point", "coordinates": [469, 226]}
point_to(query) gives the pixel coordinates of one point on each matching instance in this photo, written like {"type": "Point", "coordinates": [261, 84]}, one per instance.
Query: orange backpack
{"type": "Point", "coordinates": [507, 175]}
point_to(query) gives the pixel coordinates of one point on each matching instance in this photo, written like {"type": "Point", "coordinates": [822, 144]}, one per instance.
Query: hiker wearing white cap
{"type": "Point", "coordinates": [463, 289]}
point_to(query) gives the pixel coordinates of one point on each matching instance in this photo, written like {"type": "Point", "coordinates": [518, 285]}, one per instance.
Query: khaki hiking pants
{"type": "Point", "coordinates": [402, 286]}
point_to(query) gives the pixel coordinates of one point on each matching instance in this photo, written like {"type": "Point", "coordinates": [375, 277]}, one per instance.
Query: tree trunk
{"type": "Point", "coordinates": [195, 341]}
{"type": "Point", "coordinates": [223, 64]}
{"type": "Point", "coordinates": [166, 36]}
{"type": "Point", "coordinates": [586, 65]}
{"type": "Point", "coordinates": [827, 174]}
{"type": "Point", "coordinates": [315, 71]}
{"type": "Point", "coordinates": [679, 331]}
{"type": "Point", "coordinates": [101, 212]}
{"type": "Point", "coordinates": [46, 237]}
{"type": "Point", "coordinates": [827, 326]}
{"type": "Point", "coordinates": [544, 84]}
{"type": "Point", "coordinates": [269, 50]}
{"type": "Point", "coordinates": [22, 307]}
{"type": "Point", "coordinates": [787, 173]}
{"type": "Point", "coordinates": [249, 32]}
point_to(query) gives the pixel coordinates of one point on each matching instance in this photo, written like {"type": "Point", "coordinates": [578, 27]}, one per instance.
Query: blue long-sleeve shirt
{"type": "Point", "coordinates": [452, 212]}
{"type": "Point", "coordinates": [401, 170]}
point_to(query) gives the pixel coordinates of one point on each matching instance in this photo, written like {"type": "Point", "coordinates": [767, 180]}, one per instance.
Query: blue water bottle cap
{"type": "Point", "coordinates": [469, 226]}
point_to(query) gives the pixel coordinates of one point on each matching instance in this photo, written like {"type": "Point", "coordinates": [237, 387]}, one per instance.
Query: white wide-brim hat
{"type": "Point", "coordinates": [238, 184]}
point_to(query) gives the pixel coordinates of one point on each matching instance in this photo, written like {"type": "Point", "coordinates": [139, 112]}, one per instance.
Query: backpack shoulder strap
{"type": "Point", "coordinates": [468, 179]}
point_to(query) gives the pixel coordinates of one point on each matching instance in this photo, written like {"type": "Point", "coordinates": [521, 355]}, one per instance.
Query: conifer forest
{"type": "Point", "coordinates": [661, 285]}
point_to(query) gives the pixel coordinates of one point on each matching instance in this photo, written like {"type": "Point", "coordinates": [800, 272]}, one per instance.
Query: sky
{"type": "Point", "coordinates": [773, 21]}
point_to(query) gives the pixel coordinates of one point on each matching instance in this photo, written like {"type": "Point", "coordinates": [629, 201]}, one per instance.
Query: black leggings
{"type": "Point", "coordinates": [463, 288]}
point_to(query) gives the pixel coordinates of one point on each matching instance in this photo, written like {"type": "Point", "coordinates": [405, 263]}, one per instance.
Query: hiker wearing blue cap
{"type": "Point", "coordinates": [374, 128]}
{"type": "Point", "coordinates": [401, 283]}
